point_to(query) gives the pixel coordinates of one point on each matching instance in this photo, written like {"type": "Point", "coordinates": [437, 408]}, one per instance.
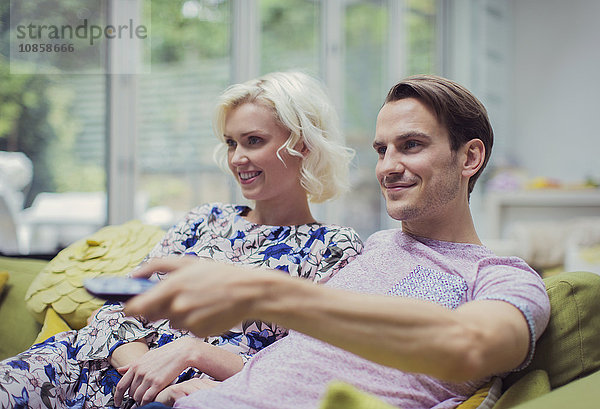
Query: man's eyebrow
{"type": "Point", "coordinates": [377, 144]}
{"type": "Point", "coordinates": [406, 135]}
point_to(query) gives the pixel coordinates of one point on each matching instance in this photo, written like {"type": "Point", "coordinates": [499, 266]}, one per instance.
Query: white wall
{"type": "Point", "coordinates": [556, 87]}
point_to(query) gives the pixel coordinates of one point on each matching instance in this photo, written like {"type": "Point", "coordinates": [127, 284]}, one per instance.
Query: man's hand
{"type": "Point", "coordinates": [197, 297]}
{"type": "Point", "coordinates": [147, 376]}
{"type": "Point", "coordinates": [170, 394]}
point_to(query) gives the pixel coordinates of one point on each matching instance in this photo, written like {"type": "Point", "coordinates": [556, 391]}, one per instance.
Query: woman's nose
{"type": "Point", "coordinates": [238, 156]}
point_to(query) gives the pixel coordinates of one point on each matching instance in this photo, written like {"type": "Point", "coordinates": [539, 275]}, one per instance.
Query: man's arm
{"type": "Point", "coordinates": [478, 339]}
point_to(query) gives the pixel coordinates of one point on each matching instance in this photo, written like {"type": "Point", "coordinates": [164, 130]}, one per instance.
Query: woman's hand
{"type": "Point", "coordinates": [147, 376]}
{"type": "Point", "coordinates": [171, 393]}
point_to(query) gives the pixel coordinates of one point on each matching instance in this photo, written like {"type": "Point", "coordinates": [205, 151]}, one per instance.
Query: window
{"type": "Point", "coordinates": [289, 35]}
{"type": "Point", "coordinates": [52, 167]}
{"type": "Point", "coordinates": [157, 160]}
{"type": "Point", "coordinates": [190, 68]}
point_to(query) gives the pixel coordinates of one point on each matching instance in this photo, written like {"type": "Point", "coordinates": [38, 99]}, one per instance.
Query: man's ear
{"type": "Point", "coordinates": [473, 157]}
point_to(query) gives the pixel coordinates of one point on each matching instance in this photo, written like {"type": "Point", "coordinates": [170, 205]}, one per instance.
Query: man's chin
{"type": "Point", "coordinates": [401, 212]}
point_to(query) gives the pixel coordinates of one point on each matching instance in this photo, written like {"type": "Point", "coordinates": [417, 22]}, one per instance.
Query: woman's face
{"type": "Point", "coordinates": [253, 136]}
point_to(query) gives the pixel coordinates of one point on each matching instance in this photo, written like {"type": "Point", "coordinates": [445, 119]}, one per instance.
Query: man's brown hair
{"type": "Point", "coordinates": [454, 106]}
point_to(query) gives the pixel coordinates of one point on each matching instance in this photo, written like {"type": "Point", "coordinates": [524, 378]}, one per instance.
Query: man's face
{"type": "Point", "coordinates": [419, 174]}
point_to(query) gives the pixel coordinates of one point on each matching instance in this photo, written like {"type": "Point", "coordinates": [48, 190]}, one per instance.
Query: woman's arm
{"type": "Point", "coordinates": [341, 248]}
{"type": "Point", "coordinates": [148, 375]}
{"type": "Point", "coordinates": [171, 393]}
{"type": "Point", "coordinates": [214, 361]}
{"type": "Point", "coordinates": [109, 329]}
{"type": "Point", "coordinates": [128, 353]}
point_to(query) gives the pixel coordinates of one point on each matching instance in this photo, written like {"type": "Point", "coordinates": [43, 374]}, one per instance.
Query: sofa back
{"type": "Point", "coordinates": [569, 348]}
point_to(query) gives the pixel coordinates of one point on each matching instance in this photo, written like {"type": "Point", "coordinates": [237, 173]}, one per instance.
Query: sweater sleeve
{"type": "Point", "coordinates": [342, 248]}
{"type": "Point", "coordinates": [511, 280]}
{"type": "Point", "coordinates": [109, 327]}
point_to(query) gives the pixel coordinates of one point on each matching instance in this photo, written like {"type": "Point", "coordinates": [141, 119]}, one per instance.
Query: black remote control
{"type": "Point", "coordinates": [117, 288]}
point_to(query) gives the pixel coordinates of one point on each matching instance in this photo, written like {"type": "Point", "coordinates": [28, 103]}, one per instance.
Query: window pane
{"type": "Point", "coordinates": [289, 35]}
{"type": "Point", "coordinates": [421, 36]}
{"type": "Point", "coordinates": [52, 154]}
{"type": "Point", "coordinates": [59, 121]}
{"type": "Point", "coordinates": [58, 125]}
{"type": "Point", "coordinates": [366, 44]}
{"type": "Point", "coordinates": [190, 68]}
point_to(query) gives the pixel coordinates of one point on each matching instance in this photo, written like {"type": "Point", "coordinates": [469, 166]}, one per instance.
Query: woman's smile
{"type": "Point", "coordinates": [248, 177]}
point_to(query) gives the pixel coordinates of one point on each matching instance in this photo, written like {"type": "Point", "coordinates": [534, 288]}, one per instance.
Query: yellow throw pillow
{"type": "Point", "coordinates": [53, 324]}
{"type": "Point", "coordinates": [3, 279]}
{"type": "Point", "coordinates": [485, 397]}
{"type": "Point", "coordinates": [341, 395]}
{"type": "Point", "coordinates": [113, 250]}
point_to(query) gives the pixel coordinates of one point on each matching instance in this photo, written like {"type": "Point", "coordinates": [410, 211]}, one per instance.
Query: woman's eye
{"type": "Point", "coordinates": [253, 140]}
{"type": "Point", "coordinates": [230, 143]}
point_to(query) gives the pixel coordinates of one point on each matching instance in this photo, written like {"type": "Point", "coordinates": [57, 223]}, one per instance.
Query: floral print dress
{"type": "Point", "coordinates": [71, 369]}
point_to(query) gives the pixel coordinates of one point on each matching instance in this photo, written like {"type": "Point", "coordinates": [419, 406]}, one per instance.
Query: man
{"type": "Point", "coordinates": [423, 318]}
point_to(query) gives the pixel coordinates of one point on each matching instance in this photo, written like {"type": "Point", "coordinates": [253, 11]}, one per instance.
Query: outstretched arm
{"type": "Point", "coordinates": [478, 339]}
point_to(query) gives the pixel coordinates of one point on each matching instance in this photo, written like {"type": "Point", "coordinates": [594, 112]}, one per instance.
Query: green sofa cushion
{"type": "Point", "coordinates": [18, 328]}
{"type": "Point", "coordinates": [569, 348]}
{"type": "Point", "coordinates": [580, 394]}
{"type": "Point", "coordinates": [530, 386]}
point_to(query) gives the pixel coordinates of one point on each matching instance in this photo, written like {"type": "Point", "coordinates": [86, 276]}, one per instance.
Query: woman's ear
{"type": "Point", "coordinates": [474, 155]}
{"type": "Point", "coordinates": [303, 148]}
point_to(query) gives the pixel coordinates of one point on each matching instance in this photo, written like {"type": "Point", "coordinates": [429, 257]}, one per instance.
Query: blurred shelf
{"type": "Point", "coordinates": [505, 208]}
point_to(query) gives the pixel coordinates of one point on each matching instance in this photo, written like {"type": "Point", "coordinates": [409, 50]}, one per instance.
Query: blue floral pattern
{"type": "Point", "coordinates": [71, 369]}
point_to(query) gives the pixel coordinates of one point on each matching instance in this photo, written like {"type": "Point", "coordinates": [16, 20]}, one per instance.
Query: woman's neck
{"type": "Point", "coordinates": [281, 213]}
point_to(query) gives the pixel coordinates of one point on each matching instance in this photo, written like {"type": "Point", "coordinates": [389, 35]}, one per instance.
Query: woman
{"type": "Point", "coordinates": [280, 141]}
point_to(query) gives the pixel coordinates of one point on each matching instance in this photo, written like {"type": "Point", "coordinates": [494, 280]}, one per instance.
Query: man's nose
{"type": "Point", "coordinates": [390, 163]}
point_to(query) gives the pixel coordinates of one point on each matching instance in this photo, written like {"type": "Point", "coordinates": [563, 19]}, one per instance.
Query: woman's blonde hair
{"type": "Point", "coordinates": [299, 103]}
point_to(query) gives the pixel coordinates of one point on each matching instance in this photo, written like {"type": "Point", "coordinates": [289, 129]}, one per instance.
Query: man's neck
{"type": "Point", "coordinates": [457, 227]}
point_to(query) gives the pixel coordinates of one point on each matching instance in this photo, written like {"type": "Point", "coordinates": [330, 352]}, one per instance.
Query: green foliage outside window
{"type": "Point", "coordinates": [38, 113]}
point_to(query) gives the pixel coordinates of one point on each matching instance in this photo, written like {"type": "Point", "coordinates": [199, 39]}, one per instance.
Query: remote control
{"type": "Point", "coordinates": [117, 288]}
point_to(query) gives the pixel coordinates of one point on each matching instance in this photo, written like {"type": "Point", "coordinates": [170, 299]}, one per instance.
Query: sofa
{"type": "Point", "coordinates": [39, 298]}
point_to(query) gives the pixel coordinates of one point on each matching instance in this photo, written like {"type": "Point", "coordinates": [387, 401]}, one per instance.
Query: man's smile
{"type": "Point", "coordinates": [392, 183]}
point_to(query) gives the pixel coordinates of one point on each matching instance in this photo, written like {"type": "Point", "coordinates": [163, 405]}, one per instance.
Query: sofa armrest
{"type": "Point", "coordinates": [583, 393]}
{"type": "Point", "coordinates": [18, 328]}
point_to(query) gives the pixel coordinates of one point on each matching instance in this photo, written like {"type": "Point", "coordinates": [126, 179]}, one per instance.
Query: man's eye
{"type": "Point", "coordinates": [411, 144]}
{"type": "Point", "coordinates": [380, 150]}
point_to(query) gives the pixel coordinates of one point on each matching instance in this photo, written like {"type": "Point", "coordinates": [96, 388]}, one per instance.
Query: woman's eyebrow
{"type": "Point", "coordinates": [244, 134]}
